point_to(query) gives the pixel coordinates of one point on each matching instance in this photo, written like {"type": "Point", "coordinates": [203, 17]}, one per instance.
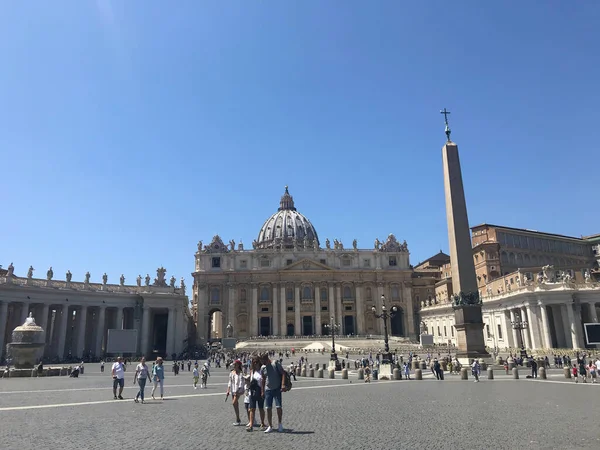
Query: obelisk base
{"type": "Point", "coordinates": [469, 333]}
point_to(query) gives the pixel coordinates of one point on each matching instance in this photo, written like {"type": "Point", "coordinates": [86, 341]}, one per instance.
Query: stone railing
{"type": "Point", "coordinates": [79, 286]}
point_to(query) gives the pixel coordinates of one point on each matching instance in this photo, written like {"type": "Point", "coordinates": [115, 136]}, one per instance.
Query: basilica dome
{"type": "Point", "coordinates": [287, 228]}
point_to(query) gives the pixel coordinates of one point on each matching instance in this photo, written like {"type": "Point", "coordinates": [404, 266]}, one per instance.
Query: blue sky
{"type": "Point", "coordinates": [130, 130]}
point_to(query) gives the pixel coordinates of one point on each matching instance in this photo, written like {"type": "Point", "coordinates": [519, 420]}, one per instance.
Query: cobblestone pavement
{"type": "Point", "coordinates": [61, 412]}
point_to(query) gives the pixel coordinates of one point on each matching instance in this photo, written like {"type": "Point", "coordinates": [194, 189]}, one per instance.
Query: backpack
{"type": "Point", "coordinates": [287, 380]}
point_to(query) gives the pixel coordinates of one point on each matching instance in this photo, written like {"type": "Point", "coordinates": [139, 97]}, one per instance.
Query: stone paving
{"type": "Point", "coordinates": [80, 413]}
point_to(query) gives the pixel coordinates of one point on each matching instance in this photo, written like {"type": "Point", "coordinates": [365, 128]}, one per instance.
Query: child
{"type": "Point", "coordinates": [247, 398]}
{"type": "Point", "coordinates": [367, 374]}
{"type": "Point", "coordinates": [205, 373]}
{"type": "Point", "coordinates": [196, 376]}
{"type": "Point", "coordinates": [574, 370]}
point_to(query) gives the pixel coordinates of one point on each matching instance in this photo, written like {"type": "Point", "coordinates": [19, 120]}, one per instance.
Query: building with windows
{"type": "Point", "coordinates": [288, 284]}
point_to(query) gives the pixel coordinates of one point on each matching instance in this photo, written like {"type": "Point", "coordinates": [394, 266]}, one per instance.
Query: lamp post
{"type": "Point", "coordinates": [520, 325]}
{"type": "Point", "coordinates": [333, 360]}
{"type": "Point", "coordinates": [385, 315]}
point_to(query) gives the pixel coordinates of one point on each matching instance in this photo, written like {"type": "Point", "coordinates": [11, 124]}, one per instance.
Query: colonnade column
{"type": "Point", "coordinates": [515, 333]}
{"type": "Point", "coordinates": [318, 326]}
{"type": "Point", "coordinates": [534, 326]}
{"type": "Point", "coordinates": [119, 321]}
{"type": "Point", "coordinates": [253, 322]}
{"type": "Point", "coordinates": [577, 325]}
{"type": "Point", "coordinates": [566, 325]}
{"type": "Point", "coordinates": [282, 302]}
{"type": "Point", "coordinates": [3, 318]}
{"type": "Point", "coordinates": [230, 309]}
{"type": "Point", "coordinates": [297, 322]}
{"type": "Point", "coordinates": [24, 313]}
{"type": "Point", "coordinates": [275, 310]}
{"type": "Point", "coordinates": [170, 334]}
{"type": "Point", "coordinates": [360, 310]}
{"type": "Point", "coordinates": [338, 307]}
{"type": "Point", "coordinates": [81, 322]}
{"type": "Point", "coordinates": [144, 343]}
{"type": "Point", "coordinates": [593, 313]}
{"type": "Point", "coordinates": [574, 324]}
{"type": "Point", "coordinates": [43, 320]}
{"type": "Point", "coordinates": [525, 317]}
{"type": "Point", "coordinates": [505, 324]}
{"type": "Point", "coordinates": [100, 330]}
{"type": "Point", "coordinates": [62, 330]}
{"type": "Point", "coordinates": [546, 338]}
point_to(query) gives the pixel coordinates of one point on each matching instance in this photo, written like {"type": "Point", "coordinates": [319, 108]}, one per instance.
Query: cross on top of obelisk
{"type": "Point", "coordinates": [447, 131]}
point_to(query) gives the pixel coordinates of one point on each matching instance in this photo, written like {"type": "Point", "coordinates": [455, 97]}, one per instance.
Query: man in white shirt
{"type": "Point", "coordinates": [118, 374]}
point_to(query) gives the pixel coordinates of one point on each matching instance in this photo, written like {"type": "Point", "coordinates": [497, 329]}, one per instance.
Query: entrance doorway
{"type": "Point", "coordinates": [290, 329]}
{"type": "Point", "coordinates": [264, 326]}
{"type": "Point", "coordinates": [215, 325]}
{"type": "Point", "coordinates": [307, 325]}
{"type": "Point", "coordinates": [396, 323]}
{"type": "Point", "coordinates": [348, 325]}
{"type": "Point", "coordinates": [159, 334]}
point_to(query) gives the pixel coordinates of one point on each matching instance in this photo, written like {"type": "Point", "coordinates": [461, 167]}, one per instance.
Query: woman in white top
{"type": "Point", "coordinates": [256, 394]}
{"type": "Point", "coordinates": [141, 375]}
{"type": "Point", "coordinates": [235, 387]}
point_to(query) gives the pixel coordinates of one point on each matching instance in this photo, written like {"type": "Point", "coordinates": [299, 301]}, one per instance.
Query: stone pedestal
{"type": "Point", "coordinates": [311, 372]}
{"type": "Point", "coordinates": [515, 373]}
{"type": "Point", "coordinates": [397, 374]}
{"type": "Point", "coordinates": [331, 374]}
{"type": "Point", "coordinates": [542, 373]}
{"type": "Point", "coordinates": [385, 371]}
{"type": "Point", "coordinates": [490, 373]}
{"type": "Point", "coordinates": [418, 374]}
{"type": "Point", "coordinates": [464, 373]}
{"type": "Point", "coordinates": [469, 333]}
{"type": "Point", "coordinates": [303, 371]}
{"type": "Point", "coordinates": [344, 374]}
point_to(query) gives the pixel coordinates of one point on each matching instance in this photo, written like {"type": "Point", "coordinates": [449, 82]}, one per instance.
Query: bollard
{"type": "Point", "coordinates": [396, 374]}
{"type": "Point", "coordinates": [320, 373]}
{"type": "Point", "coordinates": [422, 365]}
{"type": "Point", "coordinates": [482, 364]}
{"type": "Point", "coordinates": [511, 363]}
{"type": "Point", "coordinates": [303, 371]}
{"type": "Point", "coordinates": [542, 373]}
{"type": "Point", "coordinates": [331, 374]}
{"type": "Point", "coordinates": [298, 371]}
{"type": "Point", "coordinates": [515, 373]}
{"type": "Point", "coordinates": [317, 366]}
{"type": "Point", "coordinates": [567, 372]}
{"type": "Point", "coordinates": [361, 374]}
{"type": "Point", "coordinates": [375, 374]}
{"type": "Point", "coordinates": [311, 373]}
{"type": "Point", "coordinates": [464, 374]}
{"type": "Point", "coordinates": [415, 364]}
{"type": "Point", "coordinates": [310, 366]}
{"type": "Point", "coordinates": [418, 374]}
{"type": "Point", "coordinates": [490, 373]}
{"type": "Point", "coordinates": [344, 374]}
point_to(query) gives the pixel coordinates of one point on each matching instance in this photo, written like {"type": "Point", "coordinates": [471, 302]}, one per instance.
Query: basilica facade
{"type": "Point", "coordinates": [293, 284]}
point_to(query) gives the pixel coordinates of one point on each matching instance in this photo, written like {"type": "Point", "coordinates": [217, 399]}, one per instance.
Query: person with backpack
{"type": "Point", "coordinates": [273, 384]}
{"type": "Point", "coordinates": [256, 397]}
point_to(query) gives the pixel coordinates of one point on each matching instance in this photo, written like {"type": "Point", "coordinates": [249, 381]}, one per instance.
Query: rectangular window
{"type": "Point", "coordinates": [445, 331]}
{"type": "Point", "coordinates": [348, 308]}
{"type": "Point", "coordinates": [264, 309]}
{"type": "Point", "coordinates": [439, 332]}
{"type": "Point", "coordinates": [323, 261]}
{"type": "Point", "coordinates": [392, 261]}
{"type": "Point", "coordinates": [216, 262]}
{"type": "Point", "coordinates": [452, 331]}
{"type": "Point", "coordinates": [289, 262]}
{"type": "Point", "coordinates": [346, 262]}
{"type": "Point", "coordinates": [323, 308]}
{"type": "Point", "coordinates": [243, 264]}
{"type": "Point", "coordinates": [290, 308]}
{"type": "Point", "coordinates": [265, 263]}
{"type": "Point", "coordinates": [367, 263]}
{"type": "Point", "coordinates": [500, 330]}
{"type": "Point", "coordinates": [289, 294]}
{"type": "Point", "coordinates": [487, 331]}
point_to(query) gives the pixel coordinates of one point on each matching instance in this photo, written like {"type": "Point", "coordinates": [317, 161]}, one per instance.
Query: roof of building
{"type": "Point", "coordinates": [438, 260]}
{"type": "Point", "coordinates": [286, 226]}
{"type": "Point", "coordinates": [531, 231]}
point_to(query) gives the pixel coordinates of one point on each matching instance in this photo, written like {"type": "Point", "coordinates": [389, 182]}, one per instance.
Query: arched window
{"type": "Point", "coordinates": [243, 295]}
{"type": "Point", "coordinates": [504, 257]}
{"type": "Point", "coordinates": [307, 292]}
{"type": "Point", "coordinates": [347, 292]}
{"type": "Point", "coordinates": [264, 294]}
{"type": "Point", "coordinates": [215, 296]}
{"type": "Point", "coordinates": [323, 294]}
{"type": "Point", "coordinates": [395, 293]}
{"type": "Point", "coordinates": [369, 295]}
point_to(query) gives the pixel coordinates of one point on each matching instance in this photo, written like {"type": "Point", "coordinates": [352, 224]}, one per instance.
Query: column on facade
{"type": "Point", "coordinates": [360, 310]}
{"type": "Point", "coordinates": [593, 313]}
{"type": "Point", "coordinates": [297, 319]}
{"type": "Point", "coordinates": [534, 327]}
{"type": "Point", "coordinates": [177, 322]}
{"type": "Point", "coordinates": [63, 312]}
{"type": "Point", "coordinates": [170, 334]}
{"type": "Point", "coordinates": [81, 327]}
{"type": "Point", "coordinates": [100, 330]}
{"type": "Point", "coordinates": [331, 297]}
{"type": "Point", "coordinates": [275, 310]}
{"type": "Point", "coordinates": [42, 321]}
{"type": "Point", "coordinates": [576, 324]}
{"type": "Point", "coordinates": [202, 311]}
{"type": "Point", "coordinates": [283, 316]}
{"type": "Point", "coordinates": [566, 325]}
{"type": "Point", "coordinates": [3, 325]}
{"type": "Point", "coordinates": [407, 300]}
{"type": "Point", "coordinates": [317, 322]}
{"type": "Point", "coordinates": [145, 338]}
{"type": "Point", "coordinates": [253, 320]}
{"type": "Point", "coordinates": [338, 307]}
{"type": "Point", "coordinates": [515, 333]}
{"type": "Point", "coordinates": [509, 339]}
{"type": "Point", "coordinates": [525, 317]}
{"type": "Point", "coordinates": [545, 325]}
{"type": "Point", "coordinates": [572, 318]}
{"type": "Point", "coordinates": [24, 313]}
{"type": "Point", "coordinates": [231, 309]}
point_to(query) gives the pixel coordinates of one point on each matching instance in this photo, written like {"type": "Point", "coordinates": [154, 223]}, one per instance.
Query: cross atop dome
{"type": "Point", "coordinates": [286, 202]}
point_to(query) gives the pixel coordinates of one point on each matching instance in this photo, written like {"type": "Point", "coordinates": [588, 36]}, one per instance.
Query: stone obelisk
{"type": "Point", "coordinates": [467, 304]}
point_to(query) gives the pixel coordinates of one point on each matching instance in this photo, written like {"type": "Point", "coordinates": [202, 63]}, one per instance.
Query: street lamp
{"type": "Point", "coordinates": [333, 327]}
{"type": "Point", "coordinates": [520, 325]}
{"type": "Point", "coordinates": [385, 315]}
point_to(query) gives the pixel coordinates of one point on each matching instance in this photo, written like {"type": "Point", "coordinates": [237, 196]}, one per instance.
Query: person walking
{"type": "Point", "coordinates": [158, 377]}
{"type": "Point", "coordinates": [475, 370]}
{"type": "Point", "coordinates": [196, 375]}
{"type": "Point", "coordinates": [141, 375]}
{"type": "Point", "coordinates": [256, 395]}
{"type": "Point", "coordinates": [118, 375]}
{"type": "Point", "coordinates": [273, 384]}
{"type": "Point", "coordinates": [205, 373]}
{"type": "Point", "coordinates": [235, 387]}
{"type": "Point", "coordinates": [534, 368]}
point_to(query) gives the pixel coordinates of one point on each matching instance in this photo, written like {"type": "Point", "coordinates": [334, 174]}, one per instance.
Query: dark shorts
{"type": "Point", "coordinates": [270, 395]}
{"type": "Point", "coordinates": [118, 382]}
{"type": "Point", "coordinates": [260, 402]}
